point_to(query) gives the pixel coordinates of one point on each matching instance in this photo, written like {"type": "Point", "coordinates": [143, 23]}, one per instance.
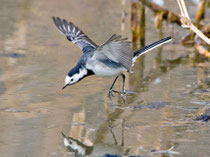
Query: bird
{"type": "Point", "coordinates": [112, 58]}
{"type": "Point", "coordinates": [99, 149]}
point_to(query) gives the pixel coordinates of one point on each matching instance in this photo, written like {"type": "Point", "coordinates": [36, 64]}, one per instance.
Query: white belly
{"type": "Point", "coordinates": [101, 69]}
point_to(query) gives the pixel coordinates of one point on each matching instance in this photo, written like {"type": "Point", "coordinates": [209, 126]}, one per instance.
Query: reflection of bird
{"type": "Point", "coordinates": [98, 150]}
{"type": "Point", "coordinates": [111, 58]}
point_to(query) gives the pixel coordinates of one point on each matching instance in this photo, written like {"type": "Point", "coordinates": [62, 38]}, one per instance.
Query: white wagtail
{"type": "Point", "coordinates": [111, 58]}
{"type": "Point", "coordinates": [97, 150]}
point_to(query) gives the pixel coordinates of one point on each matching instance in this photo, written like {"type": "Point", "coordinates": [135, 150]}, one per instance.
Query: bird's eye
{"type": "Point", "coordinates": [72, 79]}
{"type": "Point", "coordinates": [70, 142]}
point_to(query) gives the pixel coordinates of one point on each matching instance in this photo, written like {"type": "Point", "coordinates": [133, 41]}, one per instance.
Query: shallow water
{"type": "Point", "coordinates": [35, 57]}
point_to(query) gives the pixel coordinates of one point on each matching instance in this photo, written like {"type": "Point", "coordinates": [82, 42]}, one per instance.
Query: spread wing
{"type": "Point", "coordinates": [116, 49]}
{"type": "Point", "coordinates": [73, 33]}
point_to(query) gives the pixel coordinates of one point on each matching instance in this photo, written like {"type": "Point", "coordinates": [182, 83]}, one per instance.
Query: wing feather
{"type": "Point", "coordinates": [73, 33]}
{"type": "Point", "coordinates": [116, 49]}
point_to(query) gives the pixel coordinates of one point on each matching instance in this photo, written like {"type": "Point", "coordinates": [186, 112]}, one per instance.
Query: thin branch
{"type": "Point", "coordinates": [202, 50]}
{"type": "Point", "coordinates": [186, 21]}
{"type": "Point", "coordinates": [181, 9]}
{"type": "Point", "coordinates": [184, 9]}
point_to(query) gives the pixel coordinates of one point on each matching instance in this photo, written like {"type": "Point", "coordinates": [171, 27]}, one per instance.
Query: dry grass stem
{"type": "Point", "coordinates": [186, 21]}
{"type": "Point", "coordinates": [202, 50]}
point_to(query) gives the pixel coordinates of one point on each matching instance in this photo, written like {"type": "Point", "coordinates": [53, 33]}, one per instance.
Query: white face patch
{"type": "Point", "coordinates": [74, 145]}
{"type": "Point", "coordinates": [76, 77]}
{"type": "Point", "coordinates": [66, 142]}
{"type": "Point", "coordinates": [67, 79]}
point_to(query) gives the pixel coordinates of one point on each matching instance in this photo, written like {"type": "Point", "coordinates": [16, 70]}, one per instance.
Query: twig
{"type": "Point", "coordinates": [167, 14]}
{"type": "Point", "coordinates": [202, 50]}
{"type": "Point", "coordinates": [183, 8]}
{"type": "Point", "coordinates": [186, 21]}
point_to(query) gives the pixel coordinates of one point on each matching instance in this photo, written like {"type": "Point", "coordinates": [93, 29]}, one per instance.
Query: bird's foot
{"type": "Point", "coordinates": [122, 93]}
{"type": "Point", "coordinates": [111, 91]}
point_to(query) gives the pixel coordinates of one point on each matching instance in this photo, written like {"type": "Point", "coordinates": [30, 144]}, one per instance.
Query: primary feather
{"type": "Point", "coordinates": [73, 33]}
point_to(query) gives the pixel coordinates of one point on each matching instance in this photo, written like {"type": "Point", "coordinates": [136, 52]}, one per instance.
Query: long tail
{"type": "Point", "coordinates": [150, 47]}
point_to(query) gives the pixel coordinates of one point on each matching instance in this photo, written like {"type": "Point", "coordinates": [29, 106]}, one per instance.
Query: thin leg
{"type": "Point", "coordinates": [122, 133]}
{"type": "Point", "coordinates": [123, 92]}
{"type": "Point", "coordinates": [114, 82]}
{"type": "Point", "coordinates": [111, 89]}
{"type": "Point", "coordinates": [111, 126]}
{"type": "Point", "coordinates": [123, 86]}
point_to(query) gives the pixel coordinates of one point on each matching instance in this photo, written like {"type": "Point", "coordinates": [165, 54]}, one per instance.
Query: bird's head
{"type": "Point", "coordinates": [69, 80]}
{"type": "Point", "coordinates": [70, 143]}
{"type": "Point", "coordinates": [76, 146]}
{"type": "Point", "coordinates": [75, 75]}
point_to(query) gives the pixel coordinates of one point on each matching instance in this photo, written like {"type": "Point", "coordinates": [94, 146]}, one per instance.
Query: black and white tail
{"type": "Point", "coordinates": [150, 47]}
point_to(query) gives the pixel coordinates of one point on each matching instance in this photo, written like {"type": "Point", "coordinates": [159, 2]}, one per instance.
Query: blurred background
{"type": "Point", "coordinates": [171, 83]}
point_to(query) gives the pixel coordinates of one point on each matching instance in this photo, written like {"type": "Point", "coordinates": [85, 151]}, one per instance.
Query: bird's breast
{"type": "Point", "coordinates": [101, 68]}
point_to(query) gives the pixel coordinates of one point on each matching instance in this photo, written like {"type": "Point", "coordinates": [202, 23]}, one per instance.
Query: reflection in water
{"type": "Point", "coordinates": [33, 61]}
{"type": "Point", "coordinates": [12, 55]}
{"type": "Point", "coordinates": [204, 115]}
{"type": "Point", "coordinates": [103, 128]}
{"type": "Point", "coordinates": [76, 146]}
{"type": "Point", "coordinates": [79, 126]}
{"type": "Point", "coordinates": [170, 152]}
{"type": "Point", "coordinates": [202, 75]}
{"type": "Point", "coordinates": [154, 105]}
{"type": "Point", "coordinates": [19, 32]}
{"type": "Point", "coordinates": [98, 149]}
{"type": "Point", "coordinates": [123, 14]}
{"type": "Point", "coordinates": [138, 38]}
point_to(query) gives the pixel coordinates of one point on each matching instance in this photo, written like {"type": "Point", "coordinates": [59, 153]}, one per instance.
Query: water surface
{"type": "Point", "coordinates": [35, 57]}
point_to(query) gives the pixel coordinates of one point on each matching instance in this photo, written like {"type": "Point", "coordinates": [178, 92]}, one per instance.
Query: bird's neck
{"type": "Point", "coordinates": [88, 149]}
{"type": "Point", "coordinates": [81, 149]}
{"type": "Point", "coordinates": [80, 72]}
